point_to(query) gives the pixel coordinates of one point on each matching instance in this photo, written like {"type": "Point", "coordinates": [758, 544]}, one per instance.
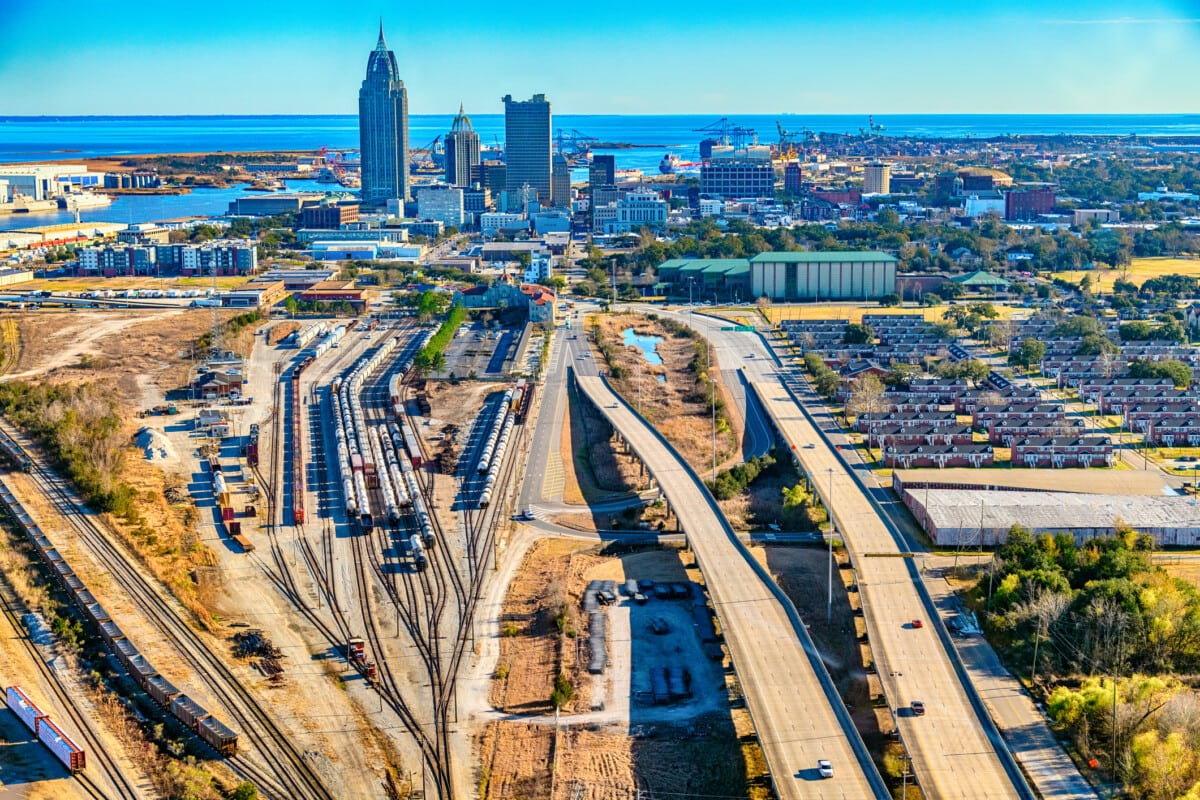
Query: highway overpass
{"type": "Point", "coordinates": [797, 712]}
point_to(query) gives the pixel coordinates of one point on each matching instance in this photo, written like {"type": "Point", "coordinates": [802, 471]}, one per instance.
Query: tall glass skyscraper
{"type": "Point", "coordinates": [527, 150]}
{"type": "Point", "coordinates": [462, 152]}
{"type": "Point", "coordinates": [383, 128]}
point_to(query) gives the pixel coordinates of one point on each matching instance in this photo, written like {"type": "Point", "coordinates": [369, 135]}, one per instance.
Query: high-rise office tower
{"type": "Point", "coordinates": [527, 150]}
{"type": "Point", "coordinates": [602, 171]}
{"type": "Point", "coordinates": [462, 152]}
{"type": "Point", "coordinates": [561, 178]}
{"type": "Point", "coordinates": [383, 128]}
{"type": "Point", "coordinates": [877, 178]}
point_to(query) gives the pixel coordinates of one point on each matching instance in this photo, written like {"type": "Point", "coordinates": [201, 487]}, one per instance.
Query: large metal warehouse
{"type": "Point", "coordinates": [964, 516]}
{"type": "Point", "coordinates": [818, 275]}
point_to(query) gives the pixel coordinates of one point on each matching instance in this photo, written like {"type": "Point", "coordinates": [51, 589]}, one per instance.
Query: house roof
{"type": "Point", "coordinates": [823, 256]}
{"type": "Point", "coordinates": [979, 278]}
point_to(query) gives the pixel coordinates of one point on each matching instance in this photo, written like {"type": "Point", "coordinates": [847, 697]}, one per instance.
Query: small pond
{"type": "Point", "coordinates": [647, 344]}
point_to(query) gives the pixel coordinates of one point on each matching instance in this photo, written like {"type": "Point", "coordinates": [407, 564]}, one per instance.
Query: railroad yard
{"type": "Point", "coordinates": [349, 532]}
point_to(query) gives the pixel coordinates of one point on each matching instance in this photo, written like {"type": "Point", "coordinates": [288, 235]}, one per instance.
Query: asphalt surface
{"type": "Point", "coordinates": [797, 712]}
{"type": "Point", "coordinates": [956, 749]}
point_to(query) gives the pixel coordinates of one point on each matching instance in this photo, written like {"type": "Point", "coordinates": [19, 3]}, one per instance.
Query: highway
{"type": "Point", "coordinates": [956, 750]}
{"type": "Point", "coordinates": [797, 712]}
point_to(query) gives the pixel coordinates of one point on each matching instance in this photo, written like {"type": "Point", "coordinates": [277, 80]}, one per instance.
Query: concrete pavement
{"type": "Point", "coordinates": [797, 712]}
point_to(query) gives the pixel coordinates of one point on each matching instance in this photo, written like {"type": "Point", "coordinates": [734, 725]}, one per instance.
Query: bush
{"type": "Point", "coordinates": [80, 428]}
{"type": "Point", "coordinates": [563, 692]}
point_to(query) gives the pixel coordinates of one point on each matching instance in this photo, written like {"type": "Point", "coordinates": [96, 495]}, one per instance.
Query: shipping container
{"type": "Point", "coordinates": [235, 528]}
{"type": "Point", "coordinates": [24, 708]}
{"type": "Point", "coordinates": [226, 514]}
{"type": "Point", "coordinates": [65, 750]}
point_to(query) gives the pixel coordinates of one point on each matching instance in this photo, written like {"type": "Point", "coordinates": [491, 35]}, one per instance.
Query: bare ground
{"type": "Point", "coordinates": [715, 754]}
{"type": "Point", "coordinates": [677, 406]}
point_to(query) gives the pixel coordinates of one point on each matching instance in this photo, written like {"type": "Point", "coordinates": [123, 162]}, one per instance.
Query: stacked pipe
{"type": "Point", "coordinates": [497, 459]}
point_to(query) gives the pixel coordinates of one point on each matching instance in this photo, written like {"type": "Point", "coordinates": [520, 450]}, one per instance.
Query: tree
{"type": "Point", "coordinates": [857, 333]}
{"type": "Point", "coordinates": [245, 791]}
{"type": "Point", "coordinates": [1177, 371]}
{"type": "Point", "coordinates": [889, 300]}
{"type": "Point", "coordinates": [867, 397]}
{"type": "Point", "coordinates": [558, 282]}
{"type": "Point", "coordinates": [1031, 352]}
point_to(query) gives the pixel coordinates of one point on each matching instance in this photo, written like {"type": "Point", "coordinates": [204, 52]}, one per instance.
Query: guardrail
{"type": "Point", "coordinates": [1011, 767]}
{"type": "Point", "coordinates": [835, 699]}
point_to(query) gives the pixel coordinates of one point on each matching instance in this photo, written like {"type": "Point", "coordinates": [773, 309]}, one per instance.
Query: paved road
{"type": "Point", "coordinates": [797, 713]}
{"type": "Point", "coordinates": [952, 754]}
{"type": "Point", "coordinates": [543, 480]}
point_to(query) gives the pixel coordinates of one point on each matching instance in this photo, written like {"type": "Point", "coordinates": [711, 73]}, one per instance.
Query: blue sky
{"type": "Point", "coordinates": [295, 57]}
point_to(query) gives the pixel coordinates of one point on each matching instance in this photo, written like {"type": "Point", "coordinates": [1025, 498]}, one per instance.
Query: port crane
{"type": "Point", "coordinates": [574, 145]}
{"type": "Point", "coordinates": [730, 133]}
{"type": "Point", "coordinates": [872, 128]}
{"type": "Point", "coordinates": [428, 163]}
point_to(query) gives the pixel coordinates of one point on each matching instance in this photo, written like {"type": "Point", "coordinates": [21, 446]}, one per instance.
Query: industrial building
{"type": "Point", "coordinates": [48, 181]}
{"type": "Point", "coordinates": [266, 205]}
{"type": "Point", "coordinates": [256, 294]}
{"type": "Point", "coordinates": [969, 517]}
{"type": "Point", "coordinates": [817, 275]}
{"type": "Point", "coordinates": [333, 291]}
{"type": "Point", "coordinates": [720, 279]}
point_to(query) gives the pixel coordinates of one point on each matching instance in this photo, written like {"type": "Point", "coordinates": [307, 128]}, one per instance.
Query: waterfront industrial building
{"type": "Point", "coordinates": [383, 128]}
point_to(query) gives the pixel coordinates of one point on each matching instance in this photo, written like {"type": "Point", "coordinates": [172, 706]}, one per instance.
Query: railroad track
{"type": "Point", "coordinates": [82, 729]}
{"type": "Point", "coordinates": [290, 775]}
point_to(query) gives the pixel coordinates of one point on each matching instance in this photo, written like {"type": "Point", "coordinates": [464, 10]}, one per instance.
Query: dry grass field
{"type": "Point", "coordinates": [1140, 270]}
{"type": "Point", "coordinates": [853, 312]}
{"type": "Point", "coordinates": [120, 284]}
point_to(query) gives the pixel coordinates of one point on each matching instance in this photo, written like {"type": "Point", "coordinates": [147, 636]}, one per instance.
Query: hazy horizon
{"type": "Point", "coordinates": [883, 57]}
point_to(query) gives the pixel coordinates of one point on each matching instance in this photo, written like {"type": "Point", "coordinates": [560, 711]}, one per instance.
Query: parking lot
{"type": "Point", "coordinates": [480, 351]}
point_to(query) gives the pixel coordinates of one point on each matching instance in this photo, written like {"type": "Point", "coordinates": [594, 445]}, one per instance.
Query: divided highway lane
{"type": "Point", "coordinates": [799, 717]}
{"type": "Point", "coordinates": [952, 754]}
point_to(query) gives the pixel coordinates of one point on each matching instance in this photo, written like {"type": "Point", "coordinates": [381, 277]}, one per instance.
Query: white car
{"type": "Point", "coordinates": [825, 768]}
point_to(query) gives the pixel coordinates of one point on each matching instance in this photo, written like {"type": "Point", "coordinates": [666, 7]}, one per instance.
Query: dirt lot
{"type": "Point", "coordinates": [842, 642]}
{"type": "Point", "coordinates": [677, 405]}
{"type": "Point", "coordinates": [146, 353]}
{"type": "Point", "coordinates": [609, 745]}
